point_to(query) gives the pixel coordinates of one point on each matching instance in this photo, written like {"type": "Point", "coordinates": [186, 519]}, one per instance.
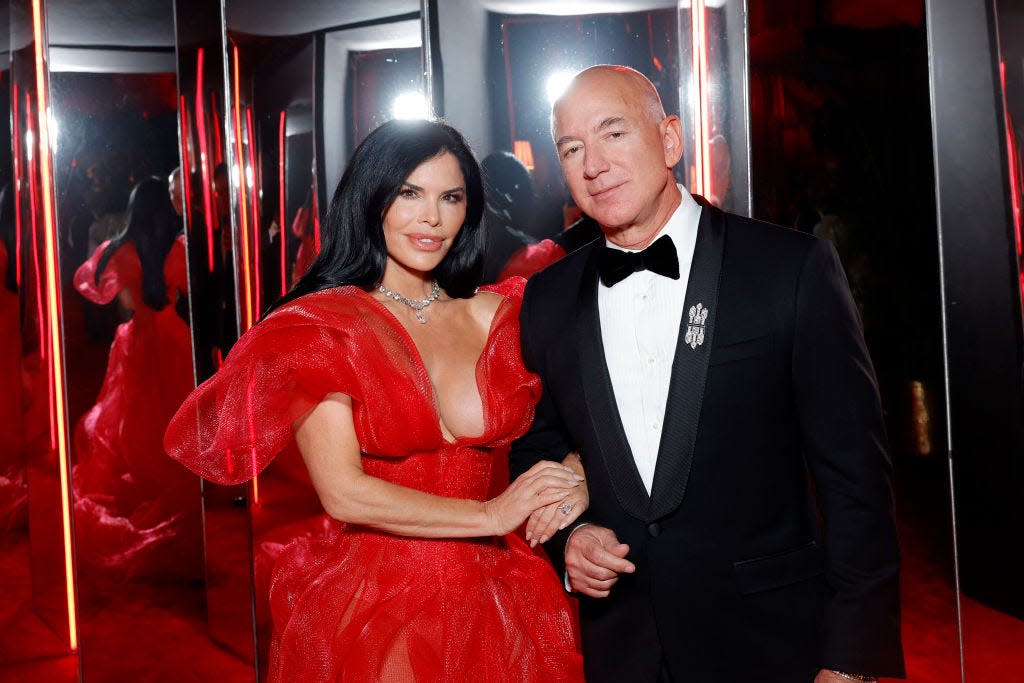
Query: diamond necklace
{"type": "Point", "coordinates": [416, 305]}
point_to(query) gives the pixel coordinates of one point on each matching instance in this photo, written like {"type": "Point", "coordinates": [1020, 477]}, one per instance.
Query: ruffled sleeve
{"type": "Point", "coordinates": [508, 389]}
{"type": "Point", "coordinates": [120, 270]}
{"type": "Point", "coordinates": [235, 423]}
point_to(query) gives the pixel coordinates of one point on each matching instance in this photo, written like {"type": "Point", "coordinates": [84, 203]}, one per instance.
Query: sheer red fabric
{"type": "Point", "coordinates": [135, 512]}
{"type": "Point", "coordinates": [353, 604]}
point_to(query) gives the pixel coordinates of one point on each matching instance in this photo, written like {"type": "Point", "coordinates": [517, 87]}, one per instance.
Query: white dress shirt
{"type": "Point", "coordinates": [640, 318]}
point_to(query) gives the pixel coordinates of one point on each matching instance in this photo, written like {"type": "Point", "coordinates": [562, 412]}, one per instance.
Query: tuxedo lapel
{"type": "Point", "coordinates": [689, 367]}
{"type": "Point", "coordinates": [601, 407]}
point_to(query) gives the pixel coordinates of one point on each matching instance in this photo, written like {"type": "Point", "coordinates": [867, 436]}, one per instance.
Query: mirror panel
{"type": "Point", "coordinates": [37, 554]}
{"type": "Point", "coordinates": [207, 204]}
{"type": "Point", "coordinates": [713, 93]}
{"type": "Point", "coordinates": [127, 344]}
{"type": "Point", "coordinates": [987, 473]}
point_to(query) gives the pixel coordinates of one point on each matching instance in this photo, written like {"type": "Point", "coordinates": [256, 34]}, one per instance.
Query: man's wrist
{"type": "Point", "coordinates": [565, 574]}
{"type": "Point", "coordinates": [575, 529]}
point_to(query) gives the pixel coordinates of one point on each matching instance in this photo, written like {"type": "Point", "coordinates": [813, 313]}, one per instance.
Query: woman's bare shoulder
{"type": "Point", "coordinates": [483, 306]}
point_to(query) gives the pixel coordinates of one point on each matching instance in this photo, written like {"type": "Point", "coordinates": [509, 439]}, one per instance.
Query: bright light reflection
{"type": "Point", "coordinates": [410, 105]}
{"type": "Point", "coordinates": [557, 84]}
{"type": "Point", "coordinates": [53, 130]}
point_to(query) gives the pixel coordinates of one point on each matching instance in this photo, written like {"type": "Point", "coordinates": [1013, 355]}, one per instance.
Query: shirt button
{"type": "Point", "coordinates": [650, 360]}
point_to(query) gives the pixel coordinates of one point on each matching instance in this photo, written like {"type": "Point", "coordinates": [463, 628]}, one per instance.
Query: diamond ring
{"type": "Point", "coordinates": [566, 508]}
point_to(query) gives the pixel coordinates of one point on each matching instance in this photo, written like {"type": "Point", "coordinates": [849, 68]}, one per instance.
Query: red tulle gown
{"type": "Point", "coordinates": [351, 603]}
{"type": "Point", "coordinates": [136, 513]}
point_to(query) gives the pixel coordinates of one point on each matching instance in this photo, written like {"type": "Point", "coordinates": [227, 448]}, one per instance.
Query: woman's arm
{"type": "Point", "coordinates": [327, 440]}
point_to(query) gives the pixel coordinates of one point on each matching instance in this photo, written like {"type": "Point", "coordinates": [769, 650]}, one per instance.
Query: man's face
{"type": "Point", "coordinates": [615, 155]}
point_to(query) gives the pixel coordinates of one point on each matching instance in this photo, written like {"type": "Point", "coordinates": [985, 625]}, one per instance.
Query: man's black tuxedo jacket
{"type": "Point", "coordinates": [767, 548]}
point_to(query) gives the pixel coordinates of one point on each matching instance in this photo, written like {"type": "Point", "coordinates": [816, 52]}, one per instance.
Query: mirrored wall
{"type": "Point", "coordinates": [166, 171]}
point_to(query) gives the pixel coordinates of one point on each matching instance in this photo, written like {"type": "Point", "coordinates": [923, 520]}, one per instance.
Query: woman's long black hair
{"type": "Point", "coordinates": [353, 250]}
{"type": "Point", "coordinates": [152, 227]}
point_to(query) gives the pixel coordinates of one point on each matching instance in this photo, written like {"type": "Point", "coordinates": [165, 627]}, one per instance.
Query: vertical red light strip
{"type": "Point", "coordinates": [254, 199]}
{"type": "Point", "coordinates": [243, 229]}
{"type": "Point", "coordinates": [186, 163]}
{"type": "Point", "coordinates": [218, 140]}
{"type": "Point", "coordinates": [1015, 176]}
{"type": "Point", "coordinates": [16, 188]}
{"type": "Point", "coordinates": [1011, 152]}
{"type": "Point", "coordinates": [204, 160]}
{"type": "Point", "coordinates": [281, 212]}
{"type": "Point", "coordinates": [53, 305]}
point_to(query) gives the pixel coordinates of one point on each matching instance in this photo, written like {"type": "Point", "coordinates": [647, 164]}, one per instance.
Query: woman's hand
{"type": "Point", "coordinates": [545, 521]}
{"type": "Point", "coordinates": [543, 485]}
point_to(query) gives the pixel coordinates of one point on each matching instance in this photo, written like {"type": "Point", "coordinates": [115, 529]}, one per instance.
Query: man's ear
{"type": "Point", "coordinates": [672, 139]}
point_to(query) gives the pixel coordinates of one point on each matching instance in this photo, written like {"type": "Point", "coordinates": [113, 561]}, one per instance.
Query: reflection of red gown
{"type": "Point", "coordinates": [354, 604]}
{"type": "Point", "coordinates": [532, 258]}
{"type": "Point", "coordinates": [13, 489]}
{"type": "Point", "coordinates": [135, 512]}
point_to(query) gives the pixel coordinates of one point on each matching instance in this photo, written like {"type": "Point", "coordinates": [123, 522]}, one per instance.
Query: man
{"type": "Point", "coordinates": [719, 392]}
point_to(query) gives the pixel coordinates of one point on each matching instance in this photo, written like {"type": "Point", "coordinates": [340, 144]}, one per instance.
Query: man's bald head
{"type": "Point", "coordinates": [630, 81]}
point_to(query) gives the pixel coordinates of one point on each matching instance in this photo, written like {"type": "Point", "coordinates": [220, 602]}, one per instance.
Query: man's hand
{"type": "Point", "coordinates": [594, 558]}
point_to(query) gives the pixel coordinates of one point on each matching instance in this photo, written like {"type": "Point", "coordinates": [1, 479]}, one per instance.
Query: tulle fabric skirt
{"type": "Point", "coordinates": [137, 511]}
{"type": "Point", "coordinates": [357, 605]}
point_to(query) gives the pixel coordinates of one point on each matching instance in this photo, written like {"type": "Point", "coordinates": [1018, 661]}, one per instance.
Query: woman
{"type": "Point", "coordinates": [402, 388]}
{"type": "Point", "coordinates": [135, 512]}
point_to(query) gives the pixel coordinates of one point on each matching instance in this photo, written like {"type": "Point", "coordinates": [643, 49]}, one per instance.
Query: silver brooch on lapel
{"type": "Point", "coordinates": [695, 328]}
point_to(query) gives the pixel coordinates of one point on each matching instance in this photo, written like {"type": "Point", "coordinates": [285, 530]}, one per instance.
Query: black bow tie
{"type": "Point", "coordinates": [615, 265]}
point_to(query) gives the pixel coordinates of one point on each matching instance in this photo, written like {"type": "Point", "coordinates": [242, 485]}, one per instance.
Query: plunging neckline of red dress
{"type": "Point", "coordinates": [421, 368]}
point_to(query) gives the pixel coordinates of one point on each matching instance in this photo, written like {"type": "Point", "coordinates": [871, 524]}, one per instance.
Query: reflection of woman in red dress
{"type": "Point", "coordinates": [403, 409]}
{"type": "Point", "coordinates": [135, 513]}
{"type": "Point", "coordinates": [13, 488]}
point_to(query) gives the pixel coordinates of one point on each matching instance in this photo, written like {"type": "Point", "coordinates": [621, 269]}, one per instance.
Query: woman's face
{"type": "Point", "coordinates": [426, 216]}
